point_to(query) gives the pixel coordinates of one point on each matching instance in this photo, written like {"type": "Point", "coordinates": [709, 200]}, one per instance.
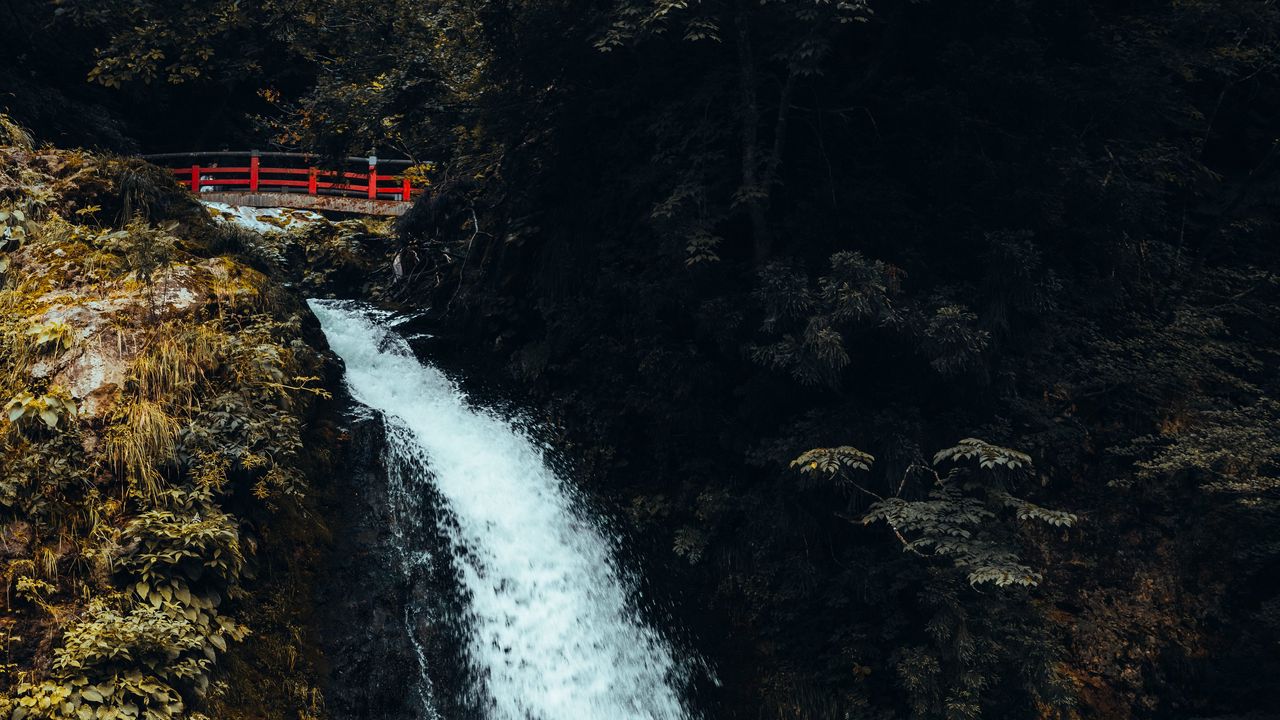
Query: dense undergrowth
{"type": "Point", "coordinates": [155, 539]}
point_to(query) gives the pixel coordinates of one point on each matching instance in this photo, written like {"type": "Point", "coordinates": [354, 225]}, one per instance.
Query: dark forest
{"type": "Point", "coordinates": [926, 353]}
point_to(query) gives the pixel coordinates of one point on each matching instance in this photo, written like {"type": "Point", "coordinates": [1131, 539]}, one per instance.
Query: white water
{"type": "Point", "coordinates": [552, 629]}
{"type": "Point", "coordinates": [265, 221]}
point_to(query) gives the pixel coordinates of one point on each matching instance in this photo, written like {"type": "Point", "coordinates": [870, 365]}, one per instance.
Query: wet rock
{"type": "Point", "coordinates": [373, 668]}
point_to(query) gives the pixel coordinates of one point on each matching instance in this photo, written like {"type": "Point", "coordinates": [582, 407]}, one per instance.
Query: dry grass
{"type": "Point", "coordinates": [143, 438]}
{"type": "Point", "coordinates": [173, 364]}
{"type": "Point", "coordinates": [47, 562]}
{"type": "Point", "coordinates": [165, 379]}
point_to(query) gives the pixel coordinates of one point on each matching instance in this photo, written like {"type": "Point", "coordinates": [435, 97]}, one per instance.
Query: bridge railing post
{"type": "Point", "coordinates": [253, 171]}
{"type": "Point", "coordinates": [312, 174]}
{"type": "Point", "coordinates": [373, 177]}
{"type": "Point", "coordinates": [195, 178]}
{"type": "Point", "coordinates": [404, 190]}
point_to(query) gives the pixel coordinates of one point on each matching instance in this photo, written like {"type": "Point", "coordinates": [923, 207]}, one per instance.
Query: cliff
{"type": "Point", "coordinates": [159, 449]}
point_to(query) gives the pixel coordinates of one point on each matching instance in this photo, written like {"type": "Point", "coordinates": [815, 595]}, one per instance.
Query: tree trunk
{"type": "Point", "coordinates": [780, 127]}
{"type": "Point", "coordinates": [752, 190]}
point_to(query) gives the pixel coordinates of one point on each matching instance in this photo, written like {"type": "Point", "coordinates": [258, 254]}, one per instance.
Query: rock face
{"type": "Point", "coordinates": [373, 667]}
{"type": "Point", "coordinates": [96, 365]}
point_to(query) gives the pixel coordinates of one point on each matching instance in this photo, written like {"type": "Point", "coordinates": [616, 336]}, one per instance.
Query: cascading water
{"type": "Point", "coordinates": [551, 629]}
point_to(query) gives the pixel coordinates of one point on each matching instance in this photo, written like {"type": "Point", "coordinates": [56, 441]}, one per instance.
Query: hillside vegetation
{"type": "Point", "coordinates": [157, 392]}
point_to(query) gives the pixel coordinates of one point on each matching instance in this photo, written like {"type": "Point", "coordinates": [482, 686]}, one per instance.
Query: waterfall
{"type": "Point", "coordinates": [551, 627]}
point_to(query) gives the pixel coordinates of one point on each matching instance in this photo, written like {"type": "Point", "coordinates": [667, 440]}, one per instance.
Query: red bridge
{"type": "Point", "coordinates": [292, 180]}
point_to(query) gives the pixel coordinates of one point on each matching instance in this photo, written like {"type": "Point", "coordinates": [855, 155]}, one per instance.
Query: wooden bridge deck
{"type": "Point", "coordinates": [319, 203]}
{"type": "Point", "coordinates": [292, 181]}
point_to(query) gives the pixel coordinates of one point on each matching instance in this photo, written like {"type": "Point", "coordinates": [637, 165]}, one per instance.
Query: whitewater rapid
{"type": "Point", "coordinates": [551, 626]}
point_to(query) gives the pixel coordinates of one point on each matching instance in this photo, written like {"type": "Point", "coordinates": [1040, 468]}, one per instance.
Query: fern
{"type": "Point", "coordinates": [961, 518]}
{"type": "Point", "coordinates": [833, 460]}
{"type": "Point", "coordinates": [988, 456]}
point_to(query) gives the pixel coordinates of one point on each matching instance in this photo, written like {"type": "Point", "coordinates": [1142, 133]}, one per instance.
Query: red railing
{"type": "Point", "coordinates": [247, 173]}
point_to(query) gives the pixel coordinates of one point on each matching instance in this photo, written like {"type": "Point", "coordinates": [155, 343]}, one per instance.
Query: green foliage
{"type": "Point", "coordinates": [42, 477]}
{"type": "Point", "coordinates": [857, 295]}
{"type": "Point", "coordinates": [15, 228]}
{"type": "Point", "coordinates": [690, 544]}
{"type": "Point", "coordinates": [34, 589]}
{"type": "Point", "coordinates": [107, 636]}
{"type": "Point", "coordinates": [138, 442]}
{"type": "Point", "coordinates": [969, 650]}
{"type": "Point", "coordinates": [189, 539]}
{"type": "Point", "coordinates": [632, 21]}
{"type": "Point", "coordinates": [812, 347]}
{"type": "Point", "coordinates": [53, 335]}
{"type": "Point", "coordinates": [989, 457]}
{"type": "Point", "coordinates": [50, 409]}
{"type": "Point", "coordinates": [950, 525]}
{"type": "Point", "coordinates": [337, 255]}
{"type": "Point", "coordinates": [833, 461]}
{"type": "Point", "coordinates": [964, 647]}
{"type": "Point", "coordinates": [959, 520]}
{"type": "Point", "coordinates": [254, 430]}
{"type": "Point", "coordinates": [952, 339]}
{"type": "Point", "coordinates": [134, 664]}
